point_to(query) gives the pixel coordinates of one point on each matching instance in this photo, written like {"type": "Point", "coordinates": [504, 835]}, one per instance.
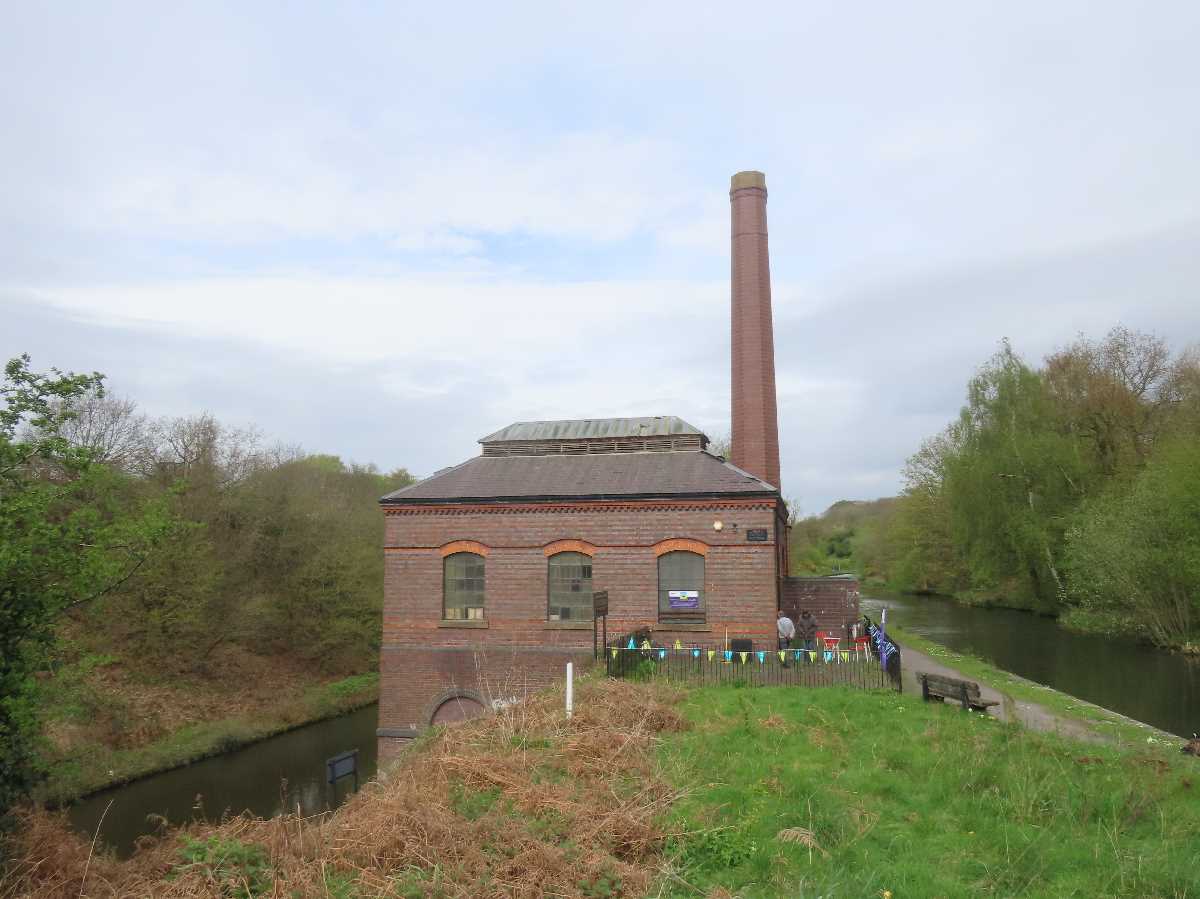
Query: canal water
{"type": "Point", "coordinates": [265, 778]}
{"type": "Point", "coordinates": [1151, 685]}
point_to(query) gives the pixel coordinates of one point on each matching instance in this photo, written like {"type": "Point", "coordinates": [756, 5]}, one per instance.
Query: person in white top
{"type": "Point", "coordinates": [786, 630]}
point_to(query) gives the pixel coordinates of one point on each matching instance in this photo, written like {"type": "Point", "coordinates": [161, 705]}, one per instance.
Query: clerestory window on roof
{"type": "Point", "coordinates": [462, 587]}
{"type": "Point", "coordinates": [681, 588]}
{"type": "Point", "coordinates": [569, 587]}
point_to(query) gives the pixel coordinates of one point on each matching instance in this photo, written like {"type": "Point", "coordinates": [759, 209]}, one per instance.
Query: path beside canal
{"type": "Point", "coordinates": [1035, 716]}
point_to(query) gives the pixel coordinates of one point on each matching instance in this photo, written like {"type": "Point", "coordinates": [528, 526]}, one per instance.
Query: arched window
{"type": "Point", "coordinates": [462, 587]}
{"type": "Point", "coordinates": [681, 587]}
{"type": "Point", "coordinates": [569, 587]}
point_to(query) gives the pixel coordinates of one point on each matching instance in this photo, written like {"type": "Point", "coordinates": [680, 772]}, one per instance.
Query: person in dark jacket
{"type": "Point", "coordinates": [806, 630]}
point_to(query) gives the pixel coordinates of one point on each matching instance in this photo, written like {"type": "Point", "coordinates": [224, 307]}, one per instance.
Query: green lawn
{"type": "Point", "coordinates": [840, 792]}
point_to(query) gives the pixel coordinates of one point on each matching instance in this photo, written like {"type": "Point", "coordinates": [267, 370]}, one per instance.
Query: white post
{"type": "Point", "coordinates": [882, 632]}
{"type": "Point", "coordinates": [570, 688]}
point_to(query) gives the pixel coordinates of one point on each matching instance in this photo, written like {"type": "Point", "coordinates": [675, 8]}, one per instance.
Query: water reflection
{"type": "Point", "coordinates": [1160, 688]}
{"type": "Point", "coordinates": [267, 778]}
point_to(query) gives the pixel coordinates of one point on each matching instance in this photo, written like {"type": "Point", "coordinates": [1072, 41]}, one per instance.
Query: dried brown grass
{"type": "Point", "coordinates": [775, 721]}
{"type": "Point", "coordinates": [576, 801]}
{"type": "Point", "coordinates": [803, 836]}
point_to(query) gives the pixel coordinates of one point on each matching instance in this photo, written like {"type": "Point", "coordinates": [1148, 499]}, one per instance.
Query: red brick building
{"type": "Point", "coordinates": [491, 565]}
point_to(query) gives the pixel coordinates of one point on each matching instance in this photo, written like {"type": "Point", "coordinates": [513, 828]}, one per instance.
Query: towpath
{"type": "Point", "coordinates": [1030, 714]}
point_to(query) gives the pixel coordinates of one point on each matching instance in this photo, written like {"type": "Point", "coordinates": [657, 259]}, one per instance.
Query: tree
{"type": "Point", "coordinates": [109, 428]}
{"type": "Point", "coordinates": [721, 446]}
{"type": "Point", "coordinates": [67, 536]}
{"type": "Point", "coordinates": [919, 541]}
{"type": "Point", "coordinates": [1037, 454]}
{"type": "Point", "coordinates": [1116, 395]}
{"type": "Point", "coordinates": [1134, 557]}
{"type": "Point", "coordinates": [1013, 482]}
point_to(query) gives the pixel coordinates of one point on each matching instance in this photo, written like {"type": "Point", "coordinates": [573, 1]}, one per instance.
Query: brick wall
{"type": "Point", "coordinates": [423, 660]}
{"type": "Point", "coordinates": [832, 600]}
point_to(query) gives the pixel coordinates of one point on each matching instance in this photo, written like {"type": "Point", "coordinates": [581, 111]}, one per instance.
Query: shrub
{"type": "Point", "coordinates": [237, 869]}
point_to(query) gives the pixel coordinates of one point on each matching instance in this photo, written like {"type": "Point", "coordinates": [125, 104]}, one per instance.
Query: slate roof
{"type": "Point", "coordinates": [592, 428]}
{"type": "Point", "coordinates": [696, 473]}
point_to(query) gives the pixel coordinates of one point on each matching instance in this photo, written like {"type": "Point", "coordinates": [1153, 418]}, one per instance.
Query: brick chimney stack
{"type": "Point", "coordinates": [754, 443]}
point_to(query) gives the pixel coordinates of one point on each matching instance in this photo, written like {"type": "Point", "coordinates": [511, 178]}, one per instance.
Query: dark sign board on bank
{"type": "Point", "coordinates": [343, 765]}
{"type": "Point", "coordinates": [758, 535]}
{"type": "Point", "coordinates": [600, 603]}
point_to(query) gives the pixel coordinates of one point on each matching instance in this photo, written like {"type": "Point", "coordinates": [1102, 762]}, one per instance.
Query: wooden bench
{"type": "Point", "coordinates": [941, 688]}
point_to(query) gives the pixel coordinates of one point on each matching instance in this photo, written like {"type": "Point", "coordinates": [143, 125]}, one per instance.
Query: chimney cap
{"type": "Point", "coordinates": [750, 179]}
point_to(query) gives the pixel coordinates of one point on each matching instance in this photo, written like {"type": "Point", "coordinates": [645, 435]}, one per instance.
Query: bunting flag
{"type": "Point", "coordinates": [695, 653]}
{"type": "Point", "coordinates": [761, 656]}
{"type": "Point", "coordinates": [798, 655]}
{"type": "Point", "coordinates": [812, 656]}
{"type": "Point", "coordinates": [782, 656]}
{"type": "Point", "coordinates": [646, 644]}
{"type": "Point", "coordinates": [743, 655]}
{"type": "Point", "coordinates": [678, 645]}
{"type": "Point", "coordinates": [828, 656]}
{"type": "Point", "coordinates": [662, 653]}
{"type": "Point", "coordinates": [711, 653]}
{"type": "Point", "coordinates": [728, 656]}
{"type": "Point", "coordinates": [614, 652]}
{"type": "Point", "coordinates": [631, 645]}
{"type": "Point", "coordinates": [845, 655]}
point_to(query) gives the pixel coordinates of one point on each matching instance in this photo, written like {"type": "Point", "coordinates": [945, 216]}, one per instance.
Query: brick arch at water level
{"type": "Point", "coordinates": [457, 707]}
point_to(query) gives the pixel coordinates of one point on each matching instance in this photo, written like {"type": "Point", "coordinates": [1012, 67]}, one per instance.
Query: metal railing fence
{"type": "Point", "coordinates": [716, 666]}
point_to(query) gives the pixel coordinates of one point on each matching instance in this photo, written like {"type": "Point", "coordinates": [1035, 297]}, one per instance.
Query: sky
{"type": "Point", "coordinates": [382, 231]}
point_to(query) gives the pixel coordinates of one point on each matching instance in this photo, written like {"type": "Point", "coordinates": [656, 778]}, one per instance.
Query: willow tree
{"type": "Point", "coordinates": [1013, 483]}
{"type": "Point", "coordinates": [1134, 557]}
{"type": "Point", "coordinates": [919, 543]}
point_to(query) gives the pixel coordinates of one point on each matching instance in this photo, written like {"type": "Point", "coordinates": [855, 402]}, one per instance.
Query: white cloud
{"type": "Point", "coordinates": [522, 212]}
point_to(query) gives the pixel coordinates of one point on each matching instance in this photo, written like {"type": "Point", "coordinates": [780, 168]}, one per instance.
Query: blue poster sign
{"type": "Point", "coordinates": [683, 599]}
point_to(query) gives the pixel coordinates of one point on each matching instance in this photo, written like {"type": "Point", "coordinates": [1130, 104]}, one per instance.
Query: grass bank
{"type": "Point", "coordinates": [1105, 722]}
{"type": "Point", "coordinates": [523, 803]}
{"type": "Point", "coordinates": [716, 792]}
{"type": "Point", "coordinates": [92, 763]}
{"type": "Point", "coordinates": [838, 793]}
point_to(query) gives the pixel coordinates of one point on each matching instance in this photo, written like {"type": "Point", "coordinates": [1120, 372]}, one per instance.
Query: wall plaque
{"type": "Point", "coordinates": [758, 535]}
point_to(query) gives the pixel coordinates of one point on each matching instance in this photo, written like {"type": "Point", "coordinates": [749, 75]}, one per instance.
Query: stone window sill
{"type": "Point", "coordinates": [686, 628]}
{"type": "Point", "coordinates": [397, 733]}
{"type": "Point", "coordinates": [567, 625]}
{"type": "Point", "coordinates": [463, 622]}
